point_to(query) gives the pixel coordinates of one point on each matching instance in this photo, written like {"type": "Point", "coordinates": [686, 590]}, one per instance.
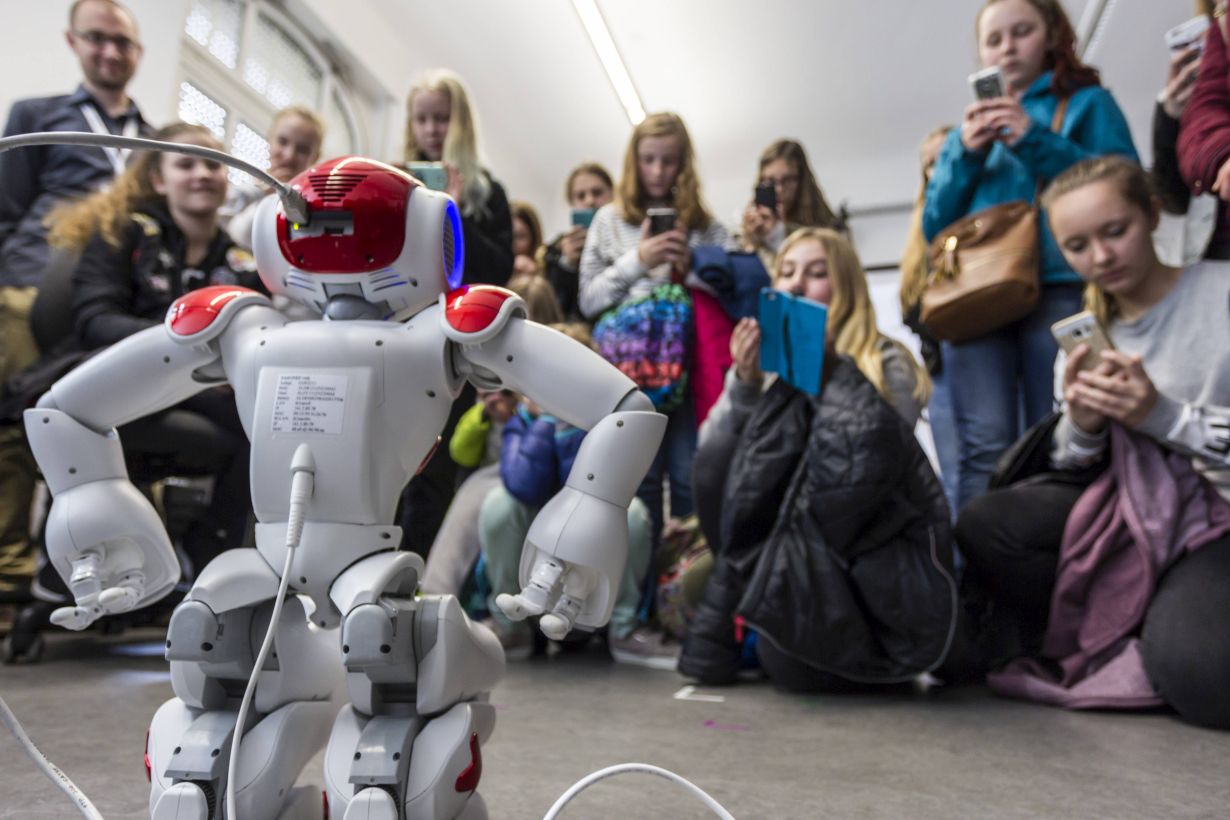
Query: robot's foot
{"type": "Point", "coordinates": [183, 801]}
{"type": "Point", "coordinates": [372, 804]}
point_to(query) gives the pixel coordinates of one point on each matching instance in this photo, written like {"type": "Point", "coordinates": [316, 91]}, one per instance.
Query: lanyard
{"type": "Point", "coordinates": [117, 156]}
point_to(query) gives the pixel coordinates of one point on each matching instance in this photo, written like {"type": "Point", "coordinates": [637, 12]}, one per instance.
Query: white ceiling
{"type": "Point", "coordinates": [859, 83]}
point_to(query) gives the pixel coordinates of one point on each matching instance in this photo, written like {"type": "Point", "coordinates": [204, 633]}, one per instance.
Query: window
{"type": "Point", "coordinates": [242, 61]}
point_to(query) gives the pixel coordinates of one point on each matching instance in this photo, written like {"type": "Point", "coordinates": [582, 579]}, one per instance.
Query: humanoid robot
{"type": "Point", "coordinates": [340, 413]}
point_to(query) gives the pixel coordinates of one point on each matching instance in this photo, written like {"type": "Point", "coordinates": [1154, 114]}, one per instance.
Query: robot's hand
{"type": "Point", "coordinates": [109, 546]}
{"type": "Point", "coordinates": [571, 564]}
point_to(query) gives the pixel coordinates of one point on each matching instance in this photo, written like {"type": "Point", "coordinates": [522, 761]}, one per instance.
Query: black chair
{"type": "Point", "coordinates": [182, 496]}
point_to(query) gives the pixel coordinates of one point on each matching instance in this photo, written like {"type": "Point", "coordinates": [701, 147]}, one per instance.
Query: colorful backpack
{"type": "Point", "coordinates": [649, 339]}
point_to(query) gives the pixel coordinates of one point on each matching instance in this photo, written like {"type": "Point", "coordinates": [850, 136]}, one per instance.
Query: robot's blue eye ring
{"type": "Point", "coordinates": [454, 246]}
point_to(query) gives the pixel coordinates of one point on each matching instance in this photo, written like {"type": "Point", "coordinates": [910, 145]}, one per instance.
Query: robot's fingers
{"type": "Point", "coordinates": [119, 599]}
{"type": "Point", "coordinates": [558, 622]}
{"type": "Point", "coordinates": [75, 617]}
{"type": "Point", "coordinates": [519, 607]}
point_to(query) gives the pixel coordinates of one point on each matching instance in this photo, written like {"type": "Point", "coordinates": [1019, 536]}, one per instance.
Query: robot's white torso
{"type": "Point", "coordinates": [367, 397]}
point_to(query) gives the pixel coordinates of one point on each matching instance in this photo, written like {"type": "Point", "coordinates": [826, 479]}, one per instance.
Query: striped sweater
{"type": "Point", "coordinates": [611, 272]}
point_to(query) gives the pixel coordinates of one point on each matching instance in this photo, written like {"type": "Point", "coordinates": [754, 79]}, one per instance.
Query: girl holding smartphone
{"type": "Point", "coordinates": [1004, 150]}
{"type": "Point", "coordinates": [1169, 380]}
{"type": "Point", "coordinates": [588, 188]}
{"type": "Point", "coordinates": [440, 128]}
{"type": "Point", "coordinates": [624, 260]}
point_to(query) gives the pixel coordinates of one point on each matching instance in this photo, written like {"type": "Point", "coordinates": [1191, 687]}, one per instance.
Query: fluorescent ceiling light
{"type": "Point", "coordinates": [616, 71]}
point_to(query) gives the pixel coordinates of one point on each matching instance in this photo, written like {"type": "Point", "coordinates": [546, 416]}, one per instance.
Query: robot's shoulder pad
{"type": "Point", "coordinates": [475, 313]}
{"type": "Point", "coordinates": [202, 314]}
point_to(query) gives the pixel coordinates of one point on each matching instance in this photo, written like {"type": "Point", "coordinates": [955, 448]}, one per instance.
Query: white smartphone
{"type": "Point", "coordinates": [988, 83]}
{"type": "Point", "coordinates": [1082, 328]}
{"type": "Point", "coordinates": [1188, 34]}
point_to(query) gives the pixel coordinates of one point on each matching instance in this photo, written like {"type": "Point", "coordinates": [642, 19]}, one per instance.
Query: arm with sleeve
{"type": "Point", "coordinates": [733, 408]}
{"type": "Point", "coordinates": [1204, 130]}
{"type": "Point", "coordinates": [1097, 128]}
{"type": "Point", "coordinates": [900, 382]}
{"type": "Point", "coordinates": [608, 269]}
{"type": "Point", "coordinates": [1166, 177]}
{"type": "Point", "coordinates": [469, 440]}
{"type": "Point", "coordinates": [103, 292]}
{"type": "Point", "coordinates": [527, 459]}
{"type": "Point", "coordinates": [951, 188]}
{"type": "Point", "coordinates": [20, 170]}
{"type": "Point", "coordinates": [488, 242]}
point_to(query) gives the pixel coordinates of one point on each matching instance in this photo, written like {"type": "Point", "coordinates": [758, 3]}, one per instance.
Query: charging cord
{"type": "Point", "coordinates": [644, 768]}
{"type": "Point", "coordinates": [292, 201]}
{"type": "Point", "coordinates": [302, 482]}
{"type": "Point", "coordinates": [53, 772]}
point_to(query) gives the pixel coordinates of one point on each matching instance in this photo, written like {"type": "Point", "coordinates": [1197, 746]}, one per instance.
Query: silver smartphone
{"type": "Point", "coordinates": [988, 83]}
{"type": "Point", "coordinates": [1188, 34]}
{"type": "Point", "coordinates": [1082, 329]}
{"type": "Point", "coordinates": [431, 174]}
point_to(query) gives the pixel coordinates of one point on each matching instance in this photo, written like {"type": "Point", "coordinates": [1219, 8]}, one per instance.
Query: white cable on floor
{"type": "Point", "coordinates": [645, 768]}
{"type": "Point", "coordinates": [53, 772]}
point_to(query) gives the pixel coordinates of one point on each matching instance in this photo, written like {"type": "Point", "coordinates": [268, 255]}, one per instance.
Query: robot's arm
{"type": "Point", "coordinates": [103, 536]}
{"type": "Point", "coordinates": [576, 547]}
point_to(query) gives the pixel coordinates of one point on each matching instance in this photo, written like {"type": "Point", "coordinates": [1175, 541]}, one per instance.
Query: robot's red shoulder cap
{"type": "Point", "coordinates": [474, 313]}
{"type": "Point", "coordinates": [203, 313]}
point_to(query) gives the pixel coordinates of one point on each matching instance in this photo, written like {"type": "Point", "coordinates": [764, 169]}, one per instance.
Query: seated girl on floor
{"type": "Point", "coordinates": [1114, 588]}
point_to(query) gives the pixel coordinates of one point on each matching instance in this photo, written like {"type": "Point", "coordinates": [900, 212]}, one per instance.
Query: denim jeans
{"type": "Point", "coordinates": [943, 423]}
{"type": "Point", "coordinates": [1003, 383]}
{"type": "Point", "coordinates": [673, 463]}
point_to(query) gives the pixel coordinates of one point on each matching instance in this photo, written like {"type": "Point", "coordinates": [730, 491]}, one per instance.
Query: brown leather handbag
{"type": "Point", "coordinates": [984, 269]}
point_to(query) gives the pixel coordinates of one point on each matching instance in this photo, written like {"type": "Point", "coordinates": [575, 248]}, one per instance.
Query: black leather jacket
{"type": "Point", "coordinates": [835, 540]}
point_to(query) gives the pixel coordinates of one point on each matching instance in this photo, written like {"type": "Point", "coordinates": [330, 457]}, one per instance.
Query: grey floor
{"type": "Point", "coordinates": [762, 754]}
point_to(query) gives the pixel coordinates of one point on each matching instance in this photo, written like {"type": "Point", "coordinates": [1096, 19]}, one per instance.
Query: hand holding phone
{"type": "Point", "coordinates": [661, 243]}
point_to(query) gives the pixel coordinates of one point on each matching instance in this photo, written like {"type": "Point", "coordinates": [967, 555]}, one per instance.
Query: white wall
{"type": "Point", "coordinates": [35, 60]}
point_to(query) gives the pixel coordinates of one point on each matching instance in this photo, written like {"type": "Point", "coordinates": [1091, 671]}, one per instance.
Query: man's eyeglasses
{"type": "Point", "coordinates": [99, 39]}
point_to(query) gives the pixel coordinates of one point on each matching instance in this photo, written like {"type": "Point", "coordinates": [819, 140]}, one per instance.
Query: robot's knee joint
{"type": "Point", "coordinates": [196, 633]}
{"type": "Point", "coordinates": [377, 635]}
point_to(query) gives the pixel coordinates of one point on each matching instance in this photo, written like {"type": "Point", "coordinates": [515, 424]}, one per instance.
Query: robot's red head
{"type": "Point", "coordinates": [358, 209]}
{"type": "Point", "coordinates": [372, 229]}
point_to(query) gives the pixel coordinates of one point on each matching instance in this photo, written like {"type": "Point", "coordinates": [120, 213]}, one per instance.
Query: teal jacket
{"type": "Point", "coordinates": [967, 181]}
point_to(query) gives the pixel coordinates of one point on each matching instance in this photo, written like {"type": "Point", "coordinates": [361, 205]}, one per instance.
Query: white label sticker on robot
{"type": "Point", "coordinates": [309, 403]}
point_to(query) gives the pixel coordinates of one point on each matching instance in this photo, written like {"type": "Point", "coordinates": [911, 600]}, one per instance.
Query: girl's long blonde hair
{"type": "Point", "coordinates": [461, 141]}
{"type": "Point", "coordinates": [106, 212]}
{"type": "Point", "coordinates": [852, 318]}
{"type": "Point", "coordinates": [630, 197]}
{"type": "Point", "coordinates": [1133, 185]}
{"type": "Point", "coordinates": [915, 266]}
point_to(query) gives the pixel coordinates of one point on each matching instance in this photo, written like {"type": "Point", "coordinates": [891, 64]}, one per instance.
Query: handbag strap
{"type": "Point", "coordinates": [1056, 124]}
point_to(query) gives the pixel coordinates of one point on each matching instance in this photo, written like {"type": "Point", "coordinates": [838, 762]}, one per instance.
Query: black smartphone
{"type": "Point", "coordinates": [766, 195]}
{"type": "Point", "coordinates": [661, 220]}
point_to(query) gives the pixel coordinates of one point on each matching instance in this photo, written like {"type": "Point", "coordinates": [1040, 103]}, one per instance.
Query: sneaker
{"type": "Point", "coordinates": [516, 638]}
{"type": "Point", "coordinates": [645, 647]}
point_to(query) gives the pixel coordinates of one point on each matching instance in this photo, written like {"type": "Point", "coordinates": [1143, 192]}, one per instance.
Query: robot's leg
{"type": "Point", "coordinates": [212, 642]}
{"type": "Point", "coordinates": [418, 672]}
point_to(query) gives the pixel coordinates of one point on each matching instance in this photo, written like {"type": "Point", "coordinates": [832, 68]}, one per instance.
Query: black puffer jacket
{"type": "Point", "coordinates": [834, 540]}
